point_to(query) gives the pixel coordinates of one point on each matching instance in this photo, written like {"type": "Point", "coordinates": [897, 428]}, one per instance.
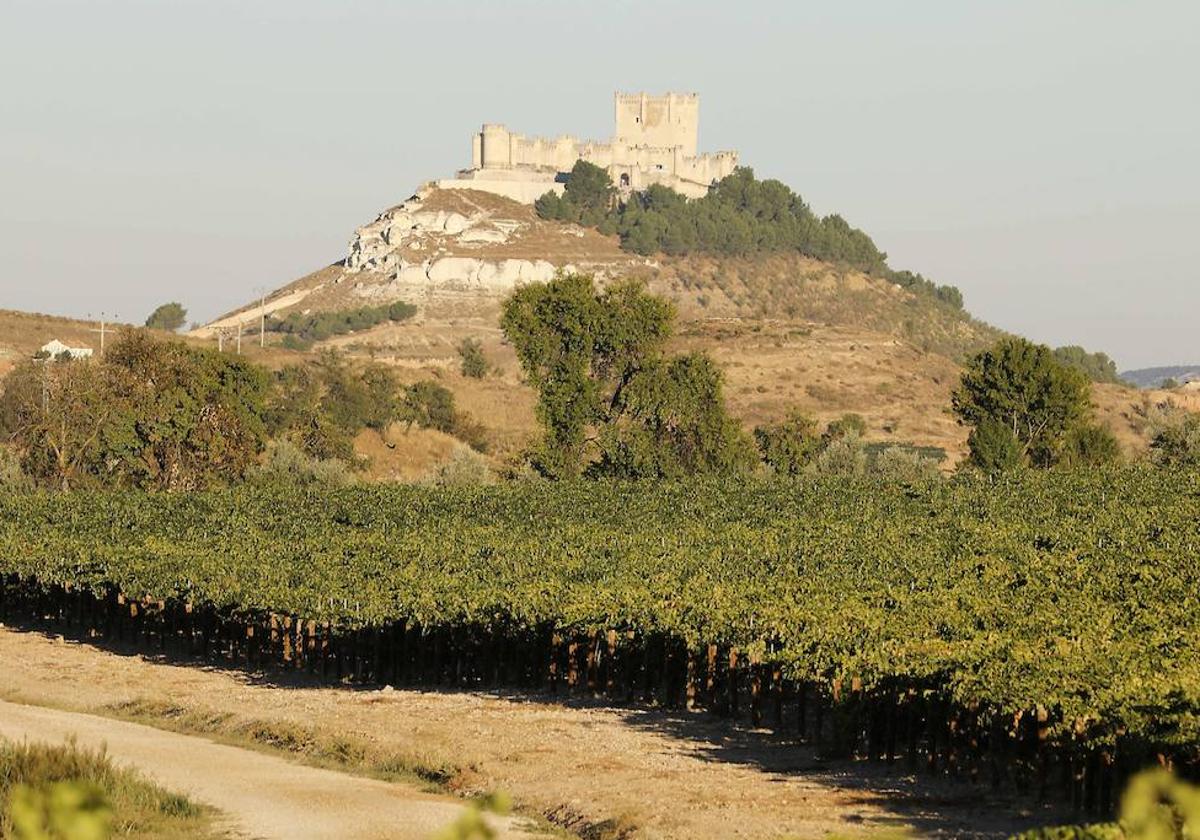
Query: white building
{"type": "Point", "coordinates": [56, 348]}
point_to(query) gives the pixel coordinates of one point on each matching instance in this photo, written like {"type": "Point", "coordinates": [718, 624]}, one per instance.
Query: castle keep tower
{"type": "Point", "coordinates": [658, 121]}
{"type": "Point", "coordinates": [654, 141]}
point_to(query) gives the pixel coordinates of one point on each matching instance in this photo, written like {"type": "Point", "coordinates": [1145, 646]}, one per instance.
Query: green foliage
{"type": "Point", "coordinates": [1097, 367]}
{"type": "Point", "coordinates": [286, 463]}
{"type": "Point", "coordinates": [993, 447]}
{"type": "Point", "coordinates": [12, 477]}
{"type": "Point", "coordinates": [904, 465]}
{"type": "Point", "coordinates": [789, 447]}
{"type": "Point", "coordinates": [596, 359]}
{"type": "Point", "coordinates": [473, 824]}
{"type": "Point", "coordinates": [588, 188]}
{"type": "Point", "coordinates": [917, 284]}
{"type": "Point", "coordinates": [465, 468]}
{"type": "Point", "coordinates": [65, 792]}
{"type": "Point", "coordinates": [843, 455]}
{"type": "Point", "coordinates": [1068, 590]}
{"type": "Point", "coordinates": [740, 216]}
{"type": "Point", "coordinates": [154, 414]}
{"type": "Point", "coordinates": [474, 363]}
{"type": "Point", "coordinates": [1156, 805]}
{"type": "Point", "coordinates": [318, 326]}
{"type": "Point", "coordinates": [670, 421]}
{"type": "Point", "coordinates": [1021, 386]}
{"type": "Point", "coordinates": [60, 811]}
{"type": "Point", "coordinates": [1089, 445]}
{"type": "Point", "coordinates": [169, 317]}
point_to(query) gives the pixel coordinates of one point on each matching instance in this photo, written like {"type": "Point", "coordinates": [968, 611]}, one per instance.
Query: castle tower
{"type": "Point", "coordinates": [662, 122]}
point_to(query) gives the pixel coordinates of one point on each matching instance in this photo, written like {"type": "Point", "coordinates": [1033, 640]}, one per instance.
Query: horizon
{"type": "Point", "coordinates": [1040, 159]}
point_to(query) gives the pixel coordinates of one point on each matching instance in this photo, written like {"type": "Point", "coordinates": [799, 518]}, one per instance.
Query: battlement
{"type": "Point", "coordinates": [655, 140]}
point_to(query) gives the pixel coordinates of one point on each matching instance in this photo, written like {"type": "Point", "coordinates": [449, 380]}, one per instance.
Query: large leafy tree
{"type": "Point", "coordinates": [596, 360]}
{"type": "Point", "coordinates": [1018, 389]}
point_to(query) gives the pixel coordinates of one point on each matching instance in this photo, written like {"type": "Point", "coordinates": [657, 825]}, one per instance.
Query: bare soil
{"type": "Point", "coordinates": [603, 771]}
{"type": "Point", "coordinates": [258, 795]}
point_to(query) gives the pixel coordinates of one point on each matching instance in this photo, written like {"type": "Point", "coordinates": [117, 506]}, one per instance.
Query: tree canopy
{"type": "Point", "coordinates": [1024, 406]}
{"type": "Point", "coordinates": [740, 216]}
{"type": "Point", "coordinates": [596, 359]}
{"type": "Point", "coordinates": [169, 317]}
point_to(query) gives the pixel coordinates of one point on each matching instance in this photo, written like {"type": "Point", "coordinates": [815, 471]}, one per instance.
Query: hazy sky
{"type": "Point", "coordinates": [1040, 155]}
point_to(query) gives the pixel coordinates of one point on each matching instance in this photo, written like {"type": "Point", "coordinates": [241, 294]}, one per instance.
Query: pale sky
{"type": "Point", "coordinates": [1040, 155]}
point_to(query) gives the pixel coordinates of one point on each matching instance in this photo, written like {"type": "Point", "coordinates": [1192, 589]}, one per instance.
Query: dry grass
{"type": "Point", "coordinates": [138, 807]}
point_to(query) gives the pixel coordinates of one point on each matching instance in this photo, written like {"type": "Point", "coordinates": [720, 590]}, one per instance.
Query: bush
{"type": "Point", "coordinates": [474, 363]}
{"type": "Point", "coordinates": [1174, 436]}
{"type": "Point", "coordinates": [789, 447]}
{"type": "Point", "coordinates": [318, 326]}
{"type": "Point", "coordinates": [285, 463]}
{"type": "Point", "coordinates": [904, 465]}
{"type": "Point", "coordinates": [842, 456]}
{"type": "Point", "coordinates": [1089, 445]}
{"type": "Point", "coordinates": [993, 447]}
{"type": "Point", "coordinates": [465, 468]}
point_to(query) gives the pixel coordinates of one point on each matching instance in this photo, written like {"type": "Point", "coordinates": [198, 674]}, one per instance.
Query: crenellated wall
{"type": "Point", "coordinates": [655, 141]}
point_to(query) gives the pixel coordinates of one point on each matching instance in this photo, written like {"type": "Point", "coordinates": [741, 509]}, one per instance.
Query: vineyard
{"type": "Point", "coordinates": [1039, 633]}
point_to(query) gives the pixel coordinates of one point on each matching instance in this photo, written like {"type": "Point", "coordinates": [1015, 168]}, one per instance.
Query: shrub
{"type": "Point", "coordinates": [904, 465]}
{"type": "Point", "coordinates": [790, 446]}
{"type": "Point", "coordinates": [464, 468]}
{"type": "Point", "coordinates": [285, 463]}
{"type": "Point", "coordinates": [1174, 436]}
{"type": "Point", "coordinates": [318, 326]}
{"type": "Point", "coordinates": [843, 456]}
{"type": "Point", "coordinates": [12, 477]}
{"type": "Point", "coordinates": [474, 363]}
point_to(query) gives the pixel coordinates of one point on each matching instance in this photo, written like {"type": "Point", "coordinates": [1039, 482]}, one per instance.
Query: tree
{"type": "Point", "coordinates": [790, 446]}
{"type": "Point", "coordinates": [605, 391]}
{"type": "Point", "coordinates": [588, 187]}
{"type": "Point", "coordinates": [169, 317]}
{"type": "Point", "coordinates": [1097, 367]}
{"type": "Point", "coordinates": [671, 422]}
{"type": "Point", "coordinates": [993, 447]}
{"type": "Point", "coordinates": [474, 363]}
{"type": "Point", "coordinates": [1020, 385]}
{"type": "Point", "coordinates": [1089, 445]}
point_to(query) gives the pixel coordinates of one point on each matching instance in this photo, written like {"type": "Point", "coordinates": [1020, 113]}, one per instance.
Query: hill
{"type": "Point", "coordinates": [789, 331]}
{"type": "Point", "coordinates": [1154, 377]}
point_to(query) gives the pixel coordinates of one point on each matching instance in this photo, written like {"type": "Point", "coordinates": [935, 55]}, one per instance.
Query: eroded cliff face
{"type": "Point", "coordinates": [460, 242]}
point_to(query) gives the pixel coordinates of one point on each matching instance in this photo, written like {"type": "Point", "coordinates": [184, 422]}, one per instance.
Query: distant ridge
{"type": "Point", "coordinates": [1153, 377]}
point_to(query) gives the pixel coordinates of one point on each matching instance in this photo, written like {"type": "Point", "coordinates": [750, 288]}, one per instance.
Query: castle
{"type": "Point", "coordinates": [654, 143]}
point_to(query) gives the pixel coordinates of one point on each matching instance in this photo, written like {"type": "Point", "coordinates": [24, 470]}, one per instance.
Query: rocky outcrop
{"type": "Point", "coordinates": [383, 244]}
{"type": "Point", "coordinates": [459, 274]}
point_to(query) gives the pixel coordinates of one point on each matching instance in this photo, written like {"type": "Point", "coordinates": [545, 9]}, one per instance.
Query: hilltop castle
{"type": "Point", "coordinates": [654, 143]}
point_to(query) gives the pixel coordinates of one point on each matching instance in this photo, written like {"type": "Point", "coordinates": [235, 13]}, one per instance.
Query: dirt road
{"type": "Point", "coordinates": [634, 772]}
{"type": "Point", "coordinates": [259, 795]}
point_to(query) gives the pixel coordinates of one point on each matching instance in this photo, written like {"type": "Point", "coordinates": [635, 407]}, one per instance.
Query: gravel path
{"type": "Point", "coordinates": [259, 795]}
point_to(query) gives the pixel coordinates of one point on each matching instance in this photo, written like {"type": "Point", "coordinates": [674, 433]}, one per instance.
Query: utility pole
{"type": "Point", "coordinates": [262, 318]}
{"type": "Point", "coordinates": [239, 338]}
{"type": "Point", "coordinates": [101, 331]}
{"type": "Point", "coordinates": [220, 341]}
